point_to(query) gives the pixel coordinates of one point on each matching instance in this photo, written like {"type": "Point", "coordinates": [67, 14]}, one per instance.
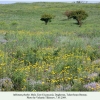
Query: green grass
{"type": "Point", "coordinates": [58, 54]}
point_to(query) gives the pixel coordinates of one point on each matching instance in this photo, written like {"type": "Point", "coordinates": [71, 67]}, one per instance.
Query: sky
{"type": "Point", "coordinates": [14, 1]}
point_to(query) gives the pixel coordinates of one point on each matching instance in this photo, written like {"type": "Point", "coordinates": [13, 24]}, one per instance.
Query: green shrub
{"type": "Point", "coordinates": [14, 23]}
{"type": "Point", "coordinates": [78, 15]}
{"type": "Point", "coordinates": [28, 57]}
{"type": "Point", "coordinates": [46, 18]}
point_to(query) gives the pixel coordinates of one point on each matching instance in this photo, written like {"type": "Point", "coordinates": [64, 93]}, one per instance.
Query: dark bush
{"type": "Point", "coordinates": [78, 15]}
{"type": "Point", "coordinates": [46, 18]}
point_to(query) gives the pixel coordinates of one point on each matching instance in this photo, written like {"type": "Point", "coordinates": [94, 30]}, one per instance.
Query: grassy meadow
{"type": "Point", "coordinates": [60, 56]}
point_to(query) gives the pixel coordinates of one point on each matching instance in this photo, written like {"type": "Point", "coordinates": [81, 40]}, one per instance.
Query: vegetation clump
{"type": "Point", "coordinates": [46, 18]}
{"type": "Point", "coordinates": [78, 15]}
{"type": "Point", "coordinates": [68, 14]}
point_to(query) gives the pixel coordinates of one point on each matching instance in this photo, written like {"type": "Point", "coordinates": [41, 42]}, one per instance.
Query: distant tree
{"type": "Point", "coordinates": [46, 18]}
{"type": "Point", "coordinates": [78, 15]}
{"type": "Point", "coordinates": [78, 1]}
{"type": "Point", "coordinates": [81, 2]}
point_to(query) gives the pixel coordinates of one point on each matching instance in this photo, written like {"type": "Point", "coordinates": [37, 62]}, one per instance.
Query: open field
{"type": "Point", "coordinates": [60, 56]}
